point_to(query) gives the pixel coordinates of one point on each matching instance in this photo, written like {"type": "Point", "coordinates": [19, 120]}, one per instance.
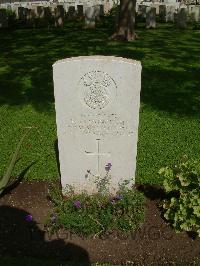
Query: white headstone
{"type": "Point", "coordinates": [194, 14]}
{"type": "Point", "coordinates": [97, 101]}
{"type": "Point", "coordinates": [90, 15]}
{"type": "Point", "coordinates": [170, 11]}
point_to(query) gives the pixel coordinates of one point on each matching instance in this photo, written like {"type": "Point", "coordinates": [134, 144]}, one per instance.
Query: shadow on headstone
{"type": "Point", "coordinates": [57, 155]}
{"type": "Point", "coordinates": [22, 238]}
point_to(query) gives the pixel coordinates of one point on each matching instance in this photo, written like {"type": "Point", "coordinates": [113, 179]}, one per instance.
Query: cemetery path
{"type": "Point", "coordinates": [155, 243]}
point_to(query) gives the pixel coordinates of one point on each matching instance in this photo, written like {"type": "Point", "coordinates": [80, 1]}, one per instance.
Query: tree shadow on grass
{"type": "Point", "coordinates": [21, 238]}
{"type": "Point", "coordinates": [170, 78]}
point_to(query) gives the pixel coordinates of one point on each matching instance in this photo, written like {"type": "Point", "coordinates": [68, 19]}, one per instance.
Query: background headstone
{"type": "Point", "coordinates": [71, 12]}
{"type": "Point", "coordinates": [59, 16]}
{"type": "Point", "coordinates": [182, 18]}
{"type": "Point", "coordinates": [97, 103]}
{"type": "Point", "coordinates": [150, 17]}
{"type": "Point", "coordinates": [22, 13]}
{"type": "Point", "coordinates": [142, 11]}
{"type": "Point", "coordinates": [170, 11]}
{"type": "Point", "coordinates": [80, 11]}
{"type": "Point", "coordinates": [90, 14]}
{"type": "Point", "coordinates": [162, 13]}
{"type": "Point", "coordinates": [40, 11]}
{"type": "Point", "coordinates": [3, 19]}
{"type": "Point", "coordinates": [101, 10]}
{"type": "Point", "coordinates": [194, 14]}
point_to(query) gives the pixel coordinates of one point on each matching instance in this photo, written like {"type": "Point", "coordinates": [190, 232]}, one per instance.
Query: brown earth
{"type": "Point", "coordinates": [155, 243]}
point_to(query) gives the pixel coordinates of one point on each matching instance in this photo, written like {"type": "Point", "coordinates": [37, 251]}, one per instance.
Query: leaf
{"type": "Point", "coordinates": [6, 178]}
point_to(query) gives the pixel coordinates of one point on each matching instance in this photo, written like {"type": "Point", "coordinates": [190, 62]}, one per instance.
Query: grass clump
{"type": "Point", "coordinates": [97, 214]}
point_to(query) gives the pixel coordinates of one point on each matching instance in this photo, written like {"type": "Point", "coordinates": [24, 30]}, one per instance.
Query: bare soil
{"type": "Point", "coordinates": [155, 243]}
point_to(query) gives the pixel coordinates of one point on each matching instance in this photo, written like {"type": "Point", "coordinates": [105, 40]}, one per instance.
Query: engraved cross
{"type": "Point", "coordinates": [98, 154]}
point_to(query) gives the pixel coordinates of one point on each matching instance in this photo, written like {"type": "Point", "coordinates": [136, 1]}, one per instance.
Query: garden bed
{"type": "Point", "coordinates": [154, 243]}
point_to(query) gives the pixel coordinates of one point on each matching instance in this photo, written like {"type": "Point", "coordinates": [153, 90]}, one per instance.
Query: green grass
{"type": "Point", "coordinates": [170, 96]}
{"type": "Point", "coordinates": [26, 261]}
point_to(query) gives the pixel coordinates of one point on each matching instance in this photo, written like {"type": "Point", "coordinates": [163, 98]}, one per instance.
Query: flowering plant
{"type": "Point", "coordinates": [94, 215]}
{"type": "Point", "coordinates": [182, 184]}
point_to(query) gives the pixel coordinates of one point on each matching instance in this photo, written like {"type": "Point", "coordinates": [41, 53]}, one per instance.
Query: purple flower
{"type": "Point", "coordinates": [119, 197]}
{"type": "Point", "coordinates": [108, 167]}
{"type": "Point", "coordinates": [77, 204]}
{"type": "Point", "coordinates": [29, 218]}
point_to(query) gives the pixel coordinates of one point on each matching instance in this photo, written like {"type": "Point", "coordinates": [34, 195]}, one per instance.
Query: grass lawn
{"type": "Point", "coordinates": [170, 97]}
{"type": "Point", "coordinates": [25, 261]}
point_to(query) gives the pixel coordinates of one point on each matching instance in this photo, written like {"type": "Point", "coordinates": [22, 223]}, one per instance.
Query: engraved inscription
{"type": "Point", "coordinates": [100, 125]}
{"type": "Point", "coordinates": [97, 87]}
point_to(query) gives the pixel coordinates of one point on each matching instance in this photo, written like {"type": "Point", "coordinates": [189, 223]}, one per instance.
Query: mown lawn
{"type": "Point", "coordinates": [170, 97]}
{"type": "Point", "coordinates": [25, 261]}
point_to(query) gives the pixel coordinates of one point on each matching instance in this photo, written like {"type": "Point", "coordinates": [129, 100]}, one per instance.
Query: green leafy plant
{"type": "Point", "coordinates": [94, 215]}
{"type": "Point", "coordinates": [6, 179]}
{"type": "Point", "coordinates": [182, 183]}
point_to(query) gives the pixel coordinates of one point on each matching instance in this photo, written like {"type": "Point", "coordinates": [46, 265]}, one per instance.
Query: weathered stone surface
{"type": "Point", "coordinates": [97, 103]}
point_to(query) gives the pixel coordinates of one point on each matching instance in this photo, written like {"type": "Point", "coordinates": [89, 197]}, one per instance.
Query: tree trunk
{"type": "Point", "coordinates": [126, 21]}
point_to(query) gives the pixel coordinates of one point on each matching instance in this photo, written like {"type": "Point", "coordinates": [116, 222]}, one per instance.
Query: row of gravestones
{"type": "Point", "coordinates": [53, 15]}
{"type": "Point", "coordinates": [171, 13]}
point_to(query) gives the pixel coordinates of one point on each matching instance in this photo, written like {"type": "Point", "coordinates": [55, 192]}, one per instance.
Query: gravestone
{"type": "Point", "coordinates": [182, 18]}
{"type": "Point", "coordinates": [40, 11]}
{"type": "Point", "coordinates": [48, 16]}
{"type": "Point", "coordinates": [97, 101]}
{"type": "Point", "coordinates": [90, 15]}
{"type": "Point", "coordinates": [150, 17]}
{"type": "Point", "coordinates": [32, 14]}
{"type": "Point", "coordinates": [71, 13]}
{"type": "Point", "coordinates": [97, 12]}
{"type": "Point", "coordinates": [170, 11]}
{"type": "Point", "coordinates": [59, 16]}
{"type": "Point", "coordinates": [162, 13]}
{"type": "Point", "coordinates": [156, 5]}
{"type": "Point", "coordinates": [80, 11]}
{"type": "Point", "coordinates": [3, 19]}
{"type": "Point", "coordinates": [101, 10]}
{"type": "Point", "coordinates": [194, 14]}
{"type": "Point", "coordinates": [142, 11]}
{"type": "Point", "coordinates": [107, 7]}
{"type": "Point", "coordinates": [22, 13]}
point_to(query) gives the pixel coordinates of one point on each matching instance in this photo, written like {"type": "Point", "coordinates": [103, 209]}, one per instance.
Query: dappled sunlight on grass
{"type": "Point", "coordinates": [170, 96]}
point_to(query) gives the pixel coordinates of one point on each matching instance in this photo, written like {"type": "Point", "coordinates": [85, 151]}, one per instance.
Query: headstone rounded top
{"type": "Point", "coordinates": [98, 57]}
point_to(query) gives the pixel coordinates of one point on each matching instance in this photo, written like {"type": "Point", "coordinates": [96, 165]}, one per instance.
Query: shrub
{"type": "Point", "coordinates": [91, 215]}
{"type": "Point", "coordinates": [182, 183]}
